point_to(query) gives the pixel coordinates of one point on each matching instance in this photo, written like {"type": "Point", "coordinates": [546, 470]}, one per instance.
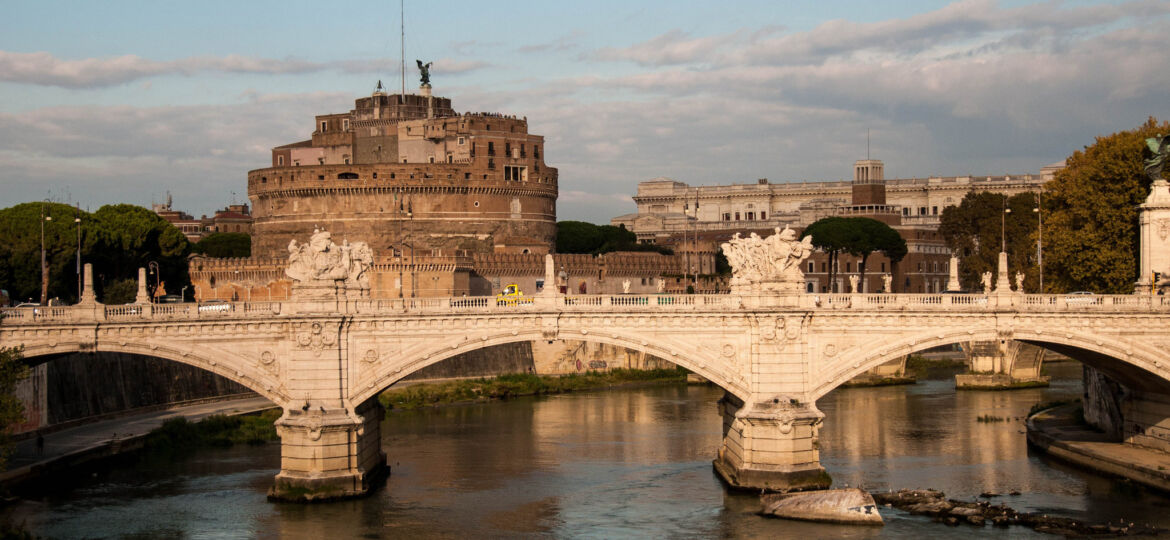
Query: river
{"type": "Point", "coordinates": [606, 464]}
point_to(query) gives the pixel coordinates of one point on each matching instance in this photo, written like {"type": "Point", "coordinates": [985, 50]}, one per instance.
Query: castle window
{"type": "Point", "coordinates": [345, 160]}
{"type": "Point", "coordinates": [320, 177]}
{"type": "Point", "coordinates": [751, 216]}
{"type": "Point", "coordinates": [279, 161]}
{"type": "Point", "coordinates": [375, 176]}
{"type": "Point", "coordinates": [450, 158]}
{"type": "Point", "coordinates": [883, 267]}
{"type": "Point", "coordinates": [905, 211]}
{"type": "Point", "coordinates": [515, 174]}
{"type": "Point", "coordinates": [934, 210]}
{"type": "Point", "coordinates": [491, 148]}
{"type": "Point", "coordinates": [522, 151]}
{"type": "Point", "coordinates": [535, 151]}
{"type": "Point", "coordinates": [324, 125]}
{"type": "Point", "coordinates": [462, 141]}
{"type": "Point", "coordinates": [488, 127]}
{"type": "Point", "coordinates": [726, 216]}
{"type": "Point", "coordinates": [477, 204]}
{"type": "Point", "coordinates": [430, 159]}
{"type": "Point", "coordinates": [345, 124]}
{"type": "Point", "coordinates": [263, 179]}
{"type": "Point", "coordinates": [467, 176]}
{"type": "Point", "coordinates": [320, 161]}
{"type": "Point", "coordinates": [737, 216]}
{"type": "Point", "coordinates": [810, 267]}
{"type": "Point", "coordinates": [491, 163]}
{"type": "Point", "coordinates": [508, 149]}
{"type": "Point", "coordinates": [347, 176]}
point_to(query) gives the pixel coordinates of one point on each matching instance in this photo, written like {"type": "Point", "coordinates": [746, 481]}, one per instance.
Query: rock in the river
{"type": "Point", "coordinates": [852, 506]}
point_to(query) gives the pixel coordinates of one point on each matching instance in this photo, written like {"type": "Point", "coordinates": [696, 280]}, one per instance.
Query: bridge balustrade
{"type": "Point", "coordinates": [651, 302]}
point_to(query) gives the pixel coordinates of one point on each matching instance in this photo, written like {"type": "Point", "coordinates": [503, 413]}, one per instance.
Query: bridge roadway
{"type": "Point", "coordinates": [325, 362]}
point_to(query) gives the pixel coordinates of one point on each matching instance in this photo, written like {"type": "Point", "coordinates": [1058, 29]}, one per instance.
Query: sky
{"type": "Point", "coordinates": [110, 102]}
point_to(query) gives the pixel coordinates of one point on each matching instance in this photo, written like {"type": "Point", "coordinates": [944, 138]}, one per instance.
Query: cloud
{"type": "Point", "coordinates": [564, 43]}
{"type": "Point", "coordinates": [44, 69]}
{"type": "Point", "coordinates": [672, 48]}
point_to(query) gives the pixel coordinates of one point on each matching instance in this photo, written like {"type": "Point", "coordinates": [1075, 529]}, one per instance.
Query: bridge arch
{"type": "Point", "coordinates": [413, 359]}
{"type": "Point", "coordinates": [225, 364]}
{"type": "Point", "coordinates": [1130, 362]}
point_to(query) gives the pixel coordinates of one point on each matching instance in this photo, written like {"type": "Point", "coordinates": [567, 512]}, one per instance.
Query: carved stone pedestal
{"type": "Point", "coordinates": [770, 446]}
{"type": "Point", "coordinates": [329, 455]}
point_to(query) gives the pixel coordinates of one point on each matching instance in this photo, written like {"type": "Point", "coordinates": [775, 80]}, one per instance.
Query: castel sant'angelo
{"type": "Point", "coordinates": [450, 203]}
{"type": "Point", "coordinates": [407, 171]}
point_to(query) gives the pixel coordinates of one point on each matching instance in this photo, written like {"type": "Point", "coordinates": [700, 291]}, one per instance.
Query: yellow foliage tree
{"type": "Point", "coordinates": [1091, 214]}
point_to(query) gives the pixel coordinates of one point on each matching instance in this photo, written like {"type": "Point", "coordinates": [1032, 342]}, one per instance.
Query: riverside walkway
{"type": "Point", "coordinates": [78, 444]}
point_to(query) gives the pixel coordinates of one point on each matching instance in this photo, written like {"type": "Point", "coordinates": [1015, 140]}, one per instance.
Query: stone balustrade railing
{"type": "Point", "coordinates": [586, 303]}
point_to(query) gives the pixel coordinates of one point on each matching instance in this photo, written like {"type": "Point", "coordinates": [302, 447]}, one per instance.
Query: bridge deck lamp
{"type": "Point", "coordinates": [44, 263]}
{"type": "Point", "coordinates": [77, 220]}
{"type": "Point", "coordinates": [1040, 238]}
{"type": "Point", "coordinates": [153, 266]}
{"type": "Point", "coordinates": [1003, 227]}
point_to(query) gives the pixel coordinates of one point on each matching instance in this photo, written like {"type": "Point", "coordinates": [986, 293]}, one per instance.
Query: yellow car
{"type": "Point", "coordinates": [511, 296]}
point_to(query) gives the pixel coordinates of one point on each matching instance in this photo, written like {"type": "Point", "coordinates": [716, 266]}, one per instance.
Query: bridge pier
{"type": "Point", "coordinates": [331, 454]}
{"type": "Point", "coordinates": [770, 445]}
{"type": "Point", "coordinates": [1003, 364]}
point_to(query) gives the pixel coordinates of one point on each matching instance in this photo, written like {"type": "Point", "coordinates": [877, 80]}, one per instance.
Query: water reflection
{"type": "Point", "coordinates": [623, 463]}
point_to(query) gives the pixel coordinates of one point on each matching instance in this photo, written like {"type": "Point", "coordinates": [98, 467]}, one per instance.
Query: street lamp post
{"type": "Point", "coordinates": [44, 263]}
{"type": "Point", "coordinates": [686, 229]}
{"type": "Point", "coordinates": [77, 220]}
{"type": "Point", "coordinates": [153, 266]}
{"type": "Point", "coordinates": [1003, 226]}
{"type": "Point", "coordinates": [410, 221]}
{"type": "Point", "coordinates": [1040, 238]}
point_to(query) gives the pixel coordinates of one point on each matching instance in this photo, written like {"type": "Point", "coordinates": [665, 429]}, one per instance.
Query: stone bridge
{"type": "Point", "coordinates": [325, 362]}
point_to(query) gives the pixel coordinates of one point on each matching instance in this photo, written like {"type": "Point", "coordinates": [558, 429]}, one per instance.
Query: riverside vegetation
{"type": "Point", "coordinates": [520, 384]}
{"type": "Point", "coordinates": [218, 431]}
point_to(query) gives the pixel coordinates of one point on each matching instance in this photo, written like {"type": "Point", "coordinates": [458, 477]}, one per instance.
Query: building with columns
{"type": "Point", "coordinates": [677, 214]}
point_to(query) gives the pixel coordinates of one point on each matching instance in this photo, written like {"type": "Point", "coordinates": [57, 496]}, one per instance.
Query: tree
{"type": "Point", "coordinates": [868, 235]}
{"type": "Point", "coordinates": [224, 245]}
{"type": "Point", "coordinates": [582, 237]}
{"type": "Point", "coordinates": [858, 236]}
{"type": "Point", "coordinates": [830, 235]}
{"type": "Point", "coordinates": [1091, 214]}
{"type": "Point", "coordinates": [12, 371]}
{"type": "Point", "coordinates": [976, 229]}
{"type": "Point", "coordinates": [117, 240]}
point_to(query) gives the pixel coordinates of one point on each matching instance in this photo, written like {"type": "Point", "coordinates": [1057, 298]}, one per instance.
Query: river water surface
{"type": "Point", "coordinates": [606, 464]}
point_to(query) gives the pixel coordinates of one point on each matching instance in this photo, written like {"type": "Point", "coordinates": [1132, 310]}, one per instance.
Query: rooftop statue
{"type": "Point", "coordinates": [769, 264]}
{"type": "Point", "coordinates": [1160, 150]}
{"type": "Point", "coordinates": [424, 72]}
{"type": "Point", "coordinates": [322, 262]}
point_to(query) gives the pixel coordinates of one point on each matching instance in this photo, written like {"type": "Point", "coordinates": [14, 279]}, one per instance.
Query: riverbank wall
{"type": "Point", "coordinates": [1060, 433]}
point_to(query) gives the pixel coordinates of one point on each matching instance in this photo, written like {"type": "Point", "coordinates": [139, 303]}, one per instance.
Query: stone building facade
{"type": "Point", "coordinates": [677, 215]}
{"type": "Point", "coordinates": [667, 208]}
{"type": "Point", "coordinates": [407, 174]}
